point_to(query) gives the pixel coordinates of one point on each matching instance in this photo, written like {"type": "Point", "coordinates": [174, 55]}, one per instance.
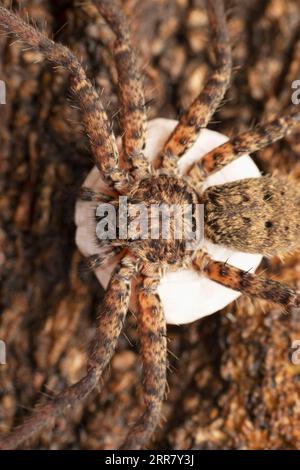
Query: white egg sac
{"type": "Point", "coordinates": [185, 295]}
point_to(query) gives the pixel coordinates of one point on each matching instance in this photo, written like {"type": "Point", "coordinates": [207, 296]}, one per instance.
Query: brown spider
{"type": "Point", "coordinates": [256, 215]}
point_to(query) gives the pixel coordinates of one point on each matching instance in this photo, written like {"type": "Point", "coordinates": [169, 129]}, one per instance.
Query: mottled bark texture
{"type": "Point", "coordinates": [233, 384]}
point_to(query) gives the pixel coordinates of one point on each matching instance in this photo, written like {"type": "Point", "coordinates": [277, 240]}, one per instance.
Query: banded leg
{"type": "Point", "coordinates": [93, 262]}
{"type": "Point", "coordinates": [97, 126]}
{"type": "Point", "coordinates": [152, 331]}
{"type": "Point", "coordinates": [89, 195]}
{"type": "Point", "coordinates": [247, 283]}
{"type": "Point", "coordinates": [204, 106]}
{"type": "Point", "coordinates": [109, 326]}
{"type": "Point", "coordinates": [131, 93]}
{"type": "Point", "coordinates": [247, 142]}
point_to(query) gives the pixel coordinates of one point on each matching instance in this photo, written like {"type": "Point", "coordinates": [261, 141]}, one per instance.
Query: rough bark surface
{"type": "Point", "coordinates": [232, 383]}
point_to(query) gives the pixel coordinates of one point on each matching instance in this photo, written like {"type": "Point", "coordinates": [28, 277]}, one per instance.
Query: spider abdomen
{"type": "Point", "coordinates": [254, 215]}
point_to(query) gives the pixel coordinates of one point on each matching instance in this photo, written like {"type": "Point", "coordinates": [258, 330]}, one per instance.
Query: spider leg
{"type": "Point", "coordinates": [247, 142]}
{"type": "Point", "coordinates": [109, 326]}
{"type": "Point", "coordinates": [89, 195]}
{"type": "Point", "coordinates": [96, 261]}
{"type": "Point", "coordinates": [131, 93]}
{"type": "Point", "coordinates": [247, 283]}
{"type": "Point", "coordinates": [97, 126]}
{"type": "Point", "coordinates": [153, 344]}
{"type": "Point", "coordinates": [205, 105]}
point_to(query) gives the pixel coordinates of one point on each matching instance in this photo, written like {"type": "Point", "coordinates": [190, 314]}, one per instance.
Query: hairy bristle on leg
{"type": "Point", "coordinates": [89, 195]}
{"type": "Point", "coordinates": [109, 326]}
{"type": "Point", "coordinates": [134, 119]}
{"type": "Point", "coordinates": [248, 283]}
{"type": "Point", "coordinates": [97, 126]}
{"type": "Point", "coordinates": [247, 142]}
{"type": "Point", "coordinates": [98, 260]}
{"type": "Point", "coordinates": [205, 105]}
{"type": "Point", "coordinates": [153, 345]}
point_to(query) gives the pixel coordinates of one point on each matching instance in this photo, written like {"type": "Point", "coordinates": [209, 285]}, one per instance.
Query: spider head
{"type": "Point", "coordinates": [255, 215]}
{"type": "Point", "coordinates": [167, 206]}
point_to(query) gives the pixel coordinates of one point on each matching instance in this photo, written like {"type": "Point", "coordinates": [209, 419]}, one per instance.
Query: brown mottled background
{"type": "Point", "coordinates": [231, 381]}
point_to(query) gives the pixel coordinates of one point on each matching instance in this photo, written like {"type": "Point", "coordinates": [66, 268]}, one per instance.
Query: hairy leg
{"type": "Point", "coordinates": [93, 262]}
{"type": "Point", "coordinates": [153, 341]}
{"type": "Point", "coordinates": [89, 195]}
{"type": "Point", "coordinates": [97, 126]}
{"type": "Point", "coordinates": [205, 105]}
{"type": "Point", "coordinates": [109, 326]}
{"type": "Point", "coordinates": [131, 93]}
{"type": "Point", "coordinates": [247, 142]}
{"type": "Point", "coordinates": [247, 283]}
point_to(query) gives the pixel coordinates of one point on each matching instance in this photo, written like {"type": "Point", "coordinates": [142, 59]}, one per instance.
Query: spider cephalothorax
{"type": "Point", "coordinates": [168, 206]}
{"type": "Point", "coordinates": [258, 214]}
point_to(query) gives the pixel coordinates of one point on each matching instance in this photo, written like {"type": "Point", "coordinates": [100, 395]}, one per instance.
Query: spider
{"type": "Point", "coordinates": [254, 215]}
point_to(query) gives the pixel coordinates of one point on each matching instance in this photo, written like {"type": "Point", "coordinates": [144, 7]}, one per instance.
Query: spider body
{"type": "Point", "coordinates": [255, 215]}
{"type": "Point", "coordinates": [169, 204]}
{"type": "Point", "coordinates": [251, 215]}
